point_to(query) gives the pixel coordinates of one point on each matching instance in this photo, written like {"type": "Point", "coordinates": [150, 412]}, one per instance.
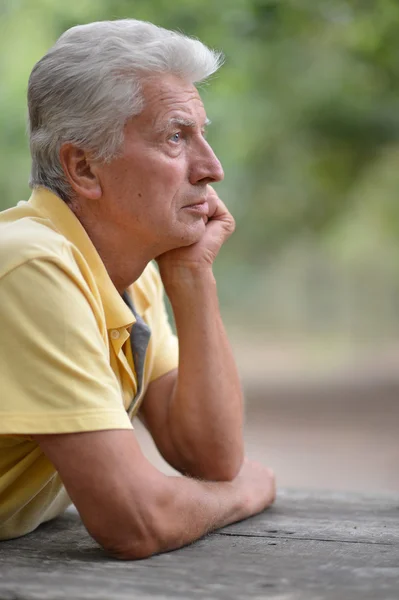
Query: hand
{"type": "Point", "coordinates": [258, 486]}
{"type": "Point", "coordinates": [219, 226]}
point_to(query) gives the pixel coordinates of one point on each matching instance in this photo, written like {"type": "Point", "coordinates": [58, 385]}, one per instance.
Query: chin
{"type": "Point", "coordinates": [194, 233]}
{"type": "Point", "coordinates": [184, 235]}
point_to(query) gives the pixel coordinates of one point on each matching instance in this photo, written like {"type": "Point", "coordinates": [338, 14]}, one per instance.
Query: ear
{"type": "Point", "coordinates": [80, 171]}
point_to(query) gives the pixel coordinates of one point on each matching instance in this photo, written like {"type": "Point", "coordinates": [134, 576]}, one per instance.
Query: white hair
{"type": "Point", "coordinates": [89, 84]}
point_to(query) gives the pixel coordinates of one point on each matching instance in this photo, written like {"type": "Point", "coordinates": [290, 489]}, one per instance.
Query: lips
{"type": "Point", "coordinates": [198, 203]}
{"type": "Point", "coordinates": [201, 207]}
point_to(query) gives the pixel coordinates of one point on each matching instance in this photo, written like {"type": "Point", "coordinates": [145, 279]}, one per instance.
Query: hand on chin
{"type": "Point", "coordinates": [200, 254]}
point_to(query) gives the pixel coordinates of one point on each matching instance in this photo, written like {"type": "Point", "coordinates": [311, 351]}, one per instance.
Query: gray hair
{"type": "Point", "coordinates": [89, 84]}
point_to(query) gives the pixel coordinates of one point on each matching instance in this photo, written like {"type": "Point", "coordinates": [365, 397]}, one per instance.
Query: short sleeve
{"type": "Point", "coordinates": [54, 363]}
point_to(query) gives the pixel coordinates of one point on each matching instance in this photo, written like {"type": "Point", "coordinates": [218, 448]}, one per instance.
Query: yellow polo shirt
{"type": "Point", "coordinates": [65, 357]}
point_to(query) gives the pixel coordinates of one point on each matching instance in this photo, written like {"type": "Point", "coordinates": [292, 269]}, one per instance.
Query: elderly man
{"type": "Point", "coordinates": [121, 174]}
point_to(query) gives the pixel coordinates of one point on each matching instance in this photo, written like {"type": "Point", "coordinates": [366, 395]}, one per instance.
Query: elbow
{"type": "Point", "coordinates": [136, 551]}
{"type": "Point", "coordinates": [220, 468]}
{"type": "Point", "coordinates": [124, 547]}
{"type": "Point", "coordinates": [135, 536]}
{"type": "Point", "coordinates": [224, 471]}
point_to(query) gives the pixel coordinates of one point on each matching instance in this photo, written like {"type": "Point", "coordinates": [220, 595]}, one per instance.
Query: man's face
{"type": "Point", "coordinates": [156, 190]}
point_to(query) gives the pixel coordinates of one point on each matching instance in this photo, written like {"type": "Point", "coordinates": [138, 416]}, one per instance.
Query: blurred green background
{"type": "Point", "coordinates": [306, 123]}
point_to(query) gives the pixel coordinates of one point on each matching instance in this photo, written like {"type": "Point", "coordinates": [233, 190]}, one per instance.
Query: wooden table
{"type": "Point", "coordinates": [308, 546]}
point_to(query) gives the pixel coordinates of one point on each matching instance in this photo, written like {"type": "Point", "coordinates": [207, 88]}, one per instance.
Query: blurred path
{"type": "Point", "coordinates": [320, 424]}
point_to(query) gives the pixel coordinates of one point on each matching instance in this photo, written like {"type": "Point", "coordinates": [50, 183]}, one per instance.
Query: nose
{"type": "Point", "coordinates": [205, 166]}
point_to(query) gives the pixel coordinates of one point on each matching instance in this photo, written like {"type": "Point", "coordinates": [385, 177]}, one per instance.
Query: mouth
{"type": "Point", "coordinates": [201, 207]}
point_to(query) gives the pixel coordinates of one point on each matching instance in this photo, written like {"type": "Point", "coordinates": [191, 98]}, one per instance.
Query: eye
{"type": "Point", "coordinates": [176, 137]}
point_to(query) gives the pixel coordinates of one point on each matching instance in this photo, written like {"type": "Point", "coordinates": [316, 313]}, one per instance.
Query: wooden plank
{"type": "Point", "coordinates": [216, 567]}
{"type": "Point", "coordinates": [327, 516]}
{"type": "Point", "coordinates": [254, 559]}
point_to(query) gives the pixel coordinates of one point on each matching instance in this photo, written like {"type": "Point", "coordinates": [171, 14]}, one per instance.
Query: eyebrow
{"type": "Point", "coordinates": [181, 122]}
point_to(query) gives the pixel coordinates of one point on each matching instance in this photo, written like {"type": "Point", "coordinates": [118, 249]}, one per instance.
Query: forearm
{"type": "Point", "coordinates": [206, 408]}
{"type": "Point", "coordinates": [182, 510]}
{"type": "Point", "coordinates": [132, 509]}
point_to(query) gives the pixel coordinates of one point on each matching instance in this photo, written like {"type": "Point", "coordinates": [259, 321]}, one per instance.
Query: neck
{"type": "Point", "coordinates": [124, 255]}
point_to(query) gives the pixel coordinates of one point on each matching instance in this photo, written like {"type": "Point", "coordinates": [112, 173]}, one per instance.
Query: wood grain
{"type": "Point", "coordinates": [308, 546]}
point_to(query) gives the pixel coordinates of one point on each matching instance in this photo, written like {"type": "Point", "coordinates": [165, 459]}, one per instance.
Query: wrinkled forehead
{"type": "Point", "coordinates": [170, 99]}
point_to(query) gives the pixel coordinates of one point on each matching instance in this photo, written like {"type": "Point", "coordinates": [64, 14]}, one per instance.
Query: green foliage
{"type": "Point", "coordinates": [305, 113]}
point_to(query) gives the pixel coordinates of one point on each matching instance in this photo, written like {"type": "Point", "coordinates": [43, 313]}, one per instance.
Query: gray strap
{"type": "Point", "coordinates": [139, 339]}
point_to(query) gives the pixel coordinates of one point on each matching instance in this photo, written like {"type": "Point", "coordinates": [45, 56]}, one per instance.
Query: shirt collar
{"type": "Point", "coordinates": [117, 313]}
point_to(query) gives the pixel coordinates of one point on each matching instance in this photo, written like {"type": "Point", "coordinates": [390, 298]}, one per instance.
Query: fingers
{"type": "Point", "coordinates": [217, 208]}
{"type": "Point", "coordinates": [213, 201]}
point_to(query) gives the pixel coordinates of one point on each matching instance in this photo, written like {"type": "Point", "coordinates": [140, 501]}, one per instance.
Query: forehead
{"type": "Point", "coordinates": [168, 96]}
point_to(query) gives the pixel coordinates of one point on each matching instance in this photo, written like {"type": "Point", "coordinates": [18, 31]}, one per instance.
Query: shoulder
{"type": "Point", "coordinates": [150, 280]}
{"type": "Point", "coordinates": [147, 291]}
{"type": "Point", "coordinates": [25, 237]}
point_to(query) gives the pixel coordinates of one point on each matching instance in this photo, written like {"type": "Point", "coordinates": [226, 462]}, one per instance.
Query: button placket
{"type": "Point", "coordinates": [127, 376]}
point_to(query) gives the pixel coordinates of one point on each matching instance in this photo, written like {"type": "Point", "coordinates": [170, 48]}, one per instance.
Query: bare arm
{"type": "Point", "coordinates": [196, 420]}
{"type": "Point", "coordinates": [196, 415]}
{"type": "Point", "coordinates": [132, 509]}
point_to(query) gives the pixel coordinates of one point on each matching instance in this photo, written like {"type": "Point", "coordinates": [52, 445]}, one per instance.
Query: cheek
{"type": "Point", "coordinates": [118, 182]}
{"type": "Point", "coordinates": [164, 188]}
{"type": "Point", "coordinates": [151, 179]}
